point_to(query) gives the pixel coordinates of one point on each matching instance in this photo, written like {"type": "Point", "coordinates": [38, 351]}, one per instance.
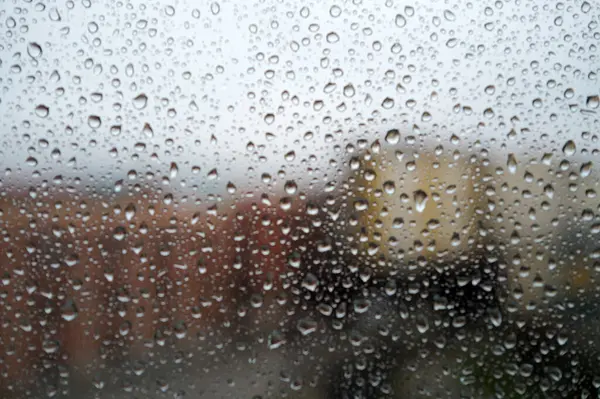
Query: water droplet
{"type": "Point", "coordinates": [325, 309]}
{"type": "Point", "coordinates": [215, 8]}
{"type": "Point", "coordinates": [42, 111]}
{"type": "Point", "coordinates": [276, 340]}
{"type": "Point", "coordinates": [173, 170]}
{"type": "Point", "coordinates": [94, 121]}
{"type": "Point", "coordinates": [130, 212]}
{"type": "Point", "coordinates": [593, 102]}
{"type": "Point", "coordinates": [361, 305]}
{"type": "Point", "coordinates": [93, 27]}
{"type": "Point", "coordinates": [269, 119]}
{"type": "Point", "coordinates": [558, 21]}
{"type": "Point", "coordinates": [422, 324]}
{"type": "Point", "coordinates": [310, 282]}
{"type": "Point", "coordinates": [586, 169]}
{"type": "Point", "coordinates": [140, 101]}
{"type": "Point", "coordinates": [31, 161]}
{"type": "Point", "coordinates": [291, 187]}
{"type": "Point", "coordinates": [488, 113]}
{"type": "Point", "coordinates": [585, 7]}
{"type": "Point", "coordinates": [420, 198]}
{"type": "Point", "coordinates": [34, 50]}
{"type": "Point", "coordinates": [306, 326]}
{"type": "Point", "coordinates": [388, 103]}
{"type": "Point", "coordinates": [54, 14]}
{"type": "Point", "coordinates": [389, 187]}
{"type": "Point", "coordinates": [290, 156]}
{"type": "Point", "coordinates": [490, 90]}
{"type": "Point", "coordinates": [400, 21]}
{"type": "Point", "coordinates": [495, 317]}
{"type": "Point", "coordinates": [392, 136]}
{"type": "Point", "coordinates": [68, 310]}
{"type": "Point", "coordinates": [147, 131]}
{"type": "Point", "coordinates": [119, 233]}
{"type": "Point", "coordinates": [452, 42]}
{"type": "Point", "coordinates": [349, 90]}
{"type": "Point", "coordinates": [115, 130]}
{"type": "Point", "coordinates": [511, 163]}
{"type": "Point", "coordinates": [332, 37]}
{"type": "Point", "coordinates": [213, 174]}
{"type": "Point", "coordinates": [335, 11]}
{"type": "Point", "coordinates": [231, 189]}
{"type": "Point", "coordinates": [569, 148]}
{"type": "Point", "coordinates": [449, 15]}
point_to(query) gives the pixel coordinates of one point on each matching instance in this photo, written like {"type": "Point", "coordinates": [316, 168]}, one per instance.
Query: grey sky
{"type": "Point", "coordinates": [199, 62]}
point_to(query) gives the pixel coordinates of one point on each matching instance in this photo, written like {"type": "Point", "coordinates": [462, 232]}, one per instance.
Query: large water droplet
{"type": "Point", "coordinates": [69, 310]}
{"type": "Point", "coordinates": [392, 136]}
{"type": "Point", "coordinates": [307, 326]}
{"type": "Point", "coordinates": [42, 111]}
{"type": "Point", "coordinates": [276, 339]}
{"type": "Point", "coordinates": [511, 163]}
{"type": "Point", "coordinates": [420, 198]}
{"type": "Point", "coordinates": [593, 102]}
{"type": "Point", "coordinates": [140, 101]}
{"type": "Point", "coordinates": [400, 20]}
{"type": "Point", "coordinates": [34, 50]}
{"type": "Point", "coordinates": [569, 148]}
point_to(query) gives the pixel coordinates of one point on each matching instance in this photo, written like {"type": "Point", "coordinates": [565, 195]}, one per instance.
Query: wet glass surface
{"type": "Point", "coordinates": [275, 199]}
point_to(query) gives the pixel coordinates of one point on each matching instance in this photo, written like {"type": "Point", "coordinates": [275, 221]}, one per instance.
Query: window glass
{"type": "Point", "coordinates": [269, 199]}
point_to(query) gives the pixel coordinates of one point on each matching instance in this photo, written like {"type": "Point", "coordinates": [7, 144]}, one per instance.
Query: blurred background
{"type": "Point", "coordinates": [299, 200]}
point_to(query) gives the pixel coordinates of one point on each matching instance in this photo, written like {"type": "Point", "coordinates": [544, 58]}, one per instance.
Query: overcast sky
{"type": "Point", "coordinates": [219, 75]}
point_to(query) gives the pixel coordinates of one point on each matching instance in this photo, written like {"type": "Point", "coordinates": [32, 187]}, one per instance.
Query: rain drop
{"type": "Point", "coordinates": [42, 111]}
{"type": "Point", "coordinates": [140, 101]}
{"type": "Point", "coordinates": [420, 198]}
{"type": "Point", "coordinates": [569, 148]}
